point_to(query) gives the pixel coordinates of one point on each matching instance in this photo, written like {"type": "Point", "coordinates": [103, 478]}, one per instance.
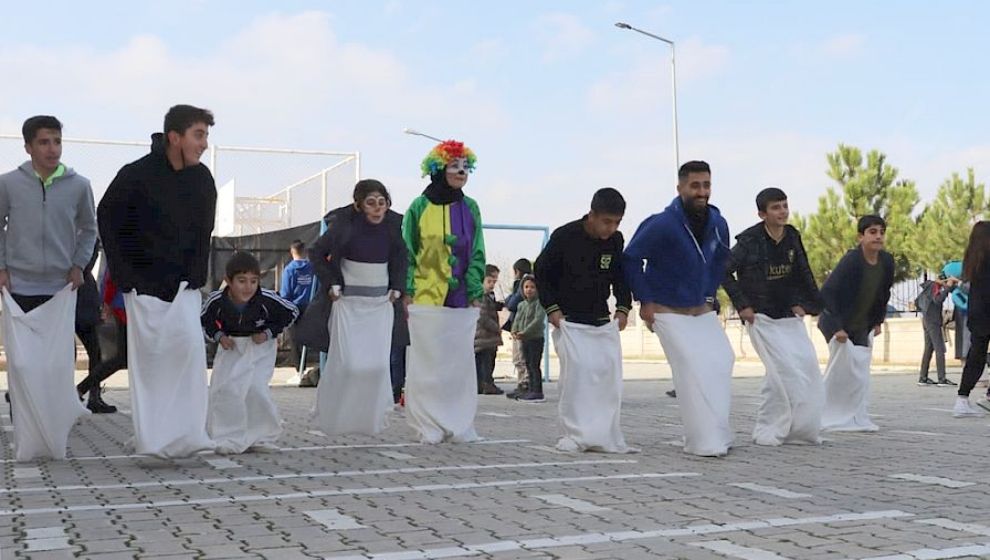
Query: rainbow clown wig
{"type": "Point", "coordinates": [445, 152]}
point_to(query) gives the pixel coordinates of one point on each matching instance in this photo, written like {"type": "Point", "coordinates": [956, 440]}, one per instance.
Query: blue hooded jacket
{"type": "Point", "coordinates": [680, 271]}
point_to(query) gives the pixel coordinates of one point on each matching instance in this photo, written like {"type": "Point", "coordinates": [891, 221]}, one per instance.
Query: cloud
{"type": "Point", "coordinates": [562, 36]}
{"type": "Point", "coordinates": [849, 44]}
{"type": "Point", "coordinates": [646, 80]}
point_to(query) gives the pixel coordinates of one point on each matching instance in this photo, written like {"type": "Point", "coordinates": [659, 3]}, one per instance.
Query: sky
{"type": "Point", "coordinates": [552, 97]}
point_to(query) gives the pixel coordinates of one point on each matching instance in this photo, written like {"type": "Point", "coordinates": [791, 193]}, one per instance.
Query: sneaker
{"type": "Point", "coordinates": [519, 391]}
{"type": "Point", "coordinates": [672, 394]}
{"type": "Point", "coordinates": [946, 383]}
{"type": "Point", "coordinates": [97, 406]}
{"type": "Point", "coordinates": [926, 382]}
{"type": "Point", "coordinates": [490, 389]}
{"type": "Point", "coordinates": [264, 447]}
{"type": "Point", "coordinates": [965, 410]}
{"type": "Point", "coordinates": [532, 398]}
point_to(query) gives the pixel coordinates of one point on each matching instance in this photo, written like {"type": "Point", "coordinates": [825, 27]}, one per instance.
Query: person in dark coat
{"type": "Point", "coordinates": [88, 311]}
{"type": "Point", "coordinates": [344, 225]}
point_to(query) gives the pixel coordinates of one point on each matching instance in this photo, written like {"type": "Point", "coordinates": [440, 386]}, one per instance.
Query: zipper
{"type": "Point", "coordinates": [696, 246]}
{"type": "Point", "coordinates": [44, 223]}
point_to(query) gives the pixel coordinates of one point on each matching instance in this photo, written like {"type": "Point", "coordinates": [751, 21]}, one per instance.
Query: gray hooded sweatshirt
{"type": "Point", "coordinates": [44, 232]}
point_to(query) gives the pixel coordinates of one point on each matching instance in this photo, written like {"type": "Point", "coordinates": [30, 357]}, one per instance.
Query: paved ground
{"type": "Point", "coordinates": [905, 492]}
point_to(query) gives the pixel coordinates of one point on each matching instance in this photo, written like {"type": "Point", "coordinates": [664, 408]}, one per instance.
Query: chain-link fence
{"type": "Point", "coordinates": [259, 189]}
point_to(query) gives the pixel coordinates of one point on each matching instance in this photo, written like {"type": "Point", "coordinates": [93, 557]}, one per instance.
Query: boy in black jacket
{"type": "Point", "coordinates": [771, 285]}
{"type": "Point", "coordinates": [242, 414]}
{"type": "Point", "coordinates": [576, 272]}
{"type": "Point", "coordinates": [855, 297]}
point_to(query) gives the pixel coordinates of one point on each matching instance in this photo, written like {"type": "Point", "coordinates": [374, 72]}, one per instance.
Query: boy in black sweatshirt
{"type": "Point", "coordinates": [245, 320]}
{"type": "Point", "coordinates": [772, 287]}
{"type": "Point", "coordinates": [576, 272]}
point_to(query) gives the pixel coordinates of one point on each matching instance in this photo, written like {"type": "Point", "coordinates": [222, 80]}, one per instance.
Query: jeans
{"type": "Point", "coordinates": [976, 360]}
{"type": "Point", "coordinates": [934, 344]}
{"type": "Point", "coordinates": [533, 353]}
{"type": "Point", "coordinates": [397, 363]}
{"type": "Point", "coordinates": [484, 365]}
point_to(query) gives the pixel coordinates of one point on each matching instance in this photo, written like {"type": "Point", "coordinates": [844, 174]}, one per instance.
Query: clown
{"type": "Point", "coordinates": [442, 231]}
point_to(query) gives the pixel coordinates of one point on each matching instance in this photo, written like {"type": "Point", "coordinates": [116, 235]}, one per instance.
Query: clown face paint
{"type": "Point", "coordinates": [457, 173]}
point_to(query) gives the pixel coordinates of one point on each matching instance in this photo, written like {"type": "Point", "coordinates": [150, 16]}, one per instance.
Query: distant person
{"type": "Point", "coordinates": [488, 336]}
{"type": "Point", "coordinates": [929, 303]}
{"type": "Point", "coordinates": [520, 268]}
{"type": "Point", "coordinates": [297, 287]}
{"type": "Point", "coordinates": [976, 271]}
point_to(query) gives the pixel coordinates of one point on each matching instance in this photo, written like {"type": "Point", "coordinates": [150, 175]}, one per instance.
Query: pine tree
{"type": "Point", "coordinates": [944, 226]}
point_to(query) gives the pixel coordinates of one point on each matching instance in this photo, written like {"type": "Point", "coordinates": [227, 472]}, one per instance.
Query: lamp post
{"type": "Point", "coordinates": [673, 83]}
{"type": "Point", "coordinates": [418, 133]}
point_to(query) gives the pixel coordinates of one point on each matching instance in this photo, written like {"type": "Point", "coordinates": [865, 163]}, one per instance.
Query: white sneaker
{"type": "Point", "coordinates": [965, 410]}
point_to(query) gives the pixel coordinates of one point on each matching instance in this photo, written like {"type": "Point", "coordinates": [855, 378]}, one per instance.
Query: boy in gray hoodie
{"type": "Point", "coordinates": [47, 220]}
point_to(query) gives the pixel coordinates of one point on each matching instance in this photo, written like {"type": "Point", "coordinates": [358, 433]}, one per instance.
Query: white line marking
{"type": "Point", "coordinates": [332, 474]}
{"type": "Point", "coordinates": [221, 463]}
{"type": "Point", "coordinates": [27, 472]}
{"type": "Point", "coordinates": [291, 449]}
{"type": "Point", "coordinates": [956, 526]}
{"type": "Point", "coordinates": [728, 548]}
{"type": "Point", "coordinates": [918, 433]}
{"type": "Point", "coordinates": [343, 492]}
{"type": "Point", "coordinates": [925, 479]}
{"type": "Point", "coordinates": [937, 409]}
{"type": "Point", "coordinates": [496, 414]}
{"type": "Point", "coordinates": [333, 519]}
{"type": "Point", "coordinates": [44, 533]}
{"type": "Point", "coordinates": [38, 545]}
{"type": "Point", "coordinates": [622, 536]}
{"type": "Point", "coordinates": [779, 492]}
{"type": "Point", "coordinates": [576, 505]}
{"type": "Point", "coordinates": [938, 553]}
{"type": "Point", "coordinates": [397, 455]}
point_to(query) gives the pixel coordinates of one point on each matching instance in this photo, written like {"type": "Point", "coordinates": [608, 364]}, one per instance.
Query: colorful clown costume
{"type": "Point", "coordinates": [443, 232]}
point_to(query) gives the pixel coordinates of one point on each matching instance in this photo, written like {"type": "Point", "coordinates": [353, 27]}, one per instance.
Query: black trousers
{"type": "Point", "coordinates": [533, 354]}
{"type": "Point", "coordinates": [105, 368]}
{"type": "Point", "coordinates": [30, 303]}
{"type": "Point", "coordinates": [484, 365]}
{"type": "Point", "coordinates": [976, 360]}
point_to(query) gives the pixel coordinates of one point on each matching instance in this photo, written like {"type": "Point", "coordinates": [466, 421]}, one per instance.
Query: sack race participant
{"type": "Point", "coordinates": [771, 285]}
{"type": "Point", "coordinates": [47, 235]}
{"type": "Point", "coordinates": [443, 235]}
{"type": "Point", "coordinates": [361, 263]}
{"type": "Point", "coordinates": [577, 272]}
{"type": "Point", "coordinates": [245, 320]}
{"type": "Point", "coordinates": [685, 249]}
{"type": "Point", "coordinates": [855, 297]}
{"type": "Point", "coordinates": [155, 221]}
{"type": "Point", "coordinates": [40, 366]}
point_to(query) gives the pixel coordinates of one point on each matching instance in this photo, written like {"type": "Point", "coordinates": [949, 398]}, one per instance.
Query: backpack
{"type": "Point", "coordinates": [925, 297]}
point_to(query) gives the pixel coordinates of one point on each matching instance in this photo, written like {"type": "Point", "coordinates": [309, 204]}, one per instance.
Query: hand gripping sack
{"type": "Point", "coordinates": [590, 387]}
{"type": "Point", "coordinates": [793, 392]}
{"type": "Point", "coordinates": [847, 388]}
{"type": "Point", "coordinates": [441, 383]}
{"type": "Point", "coordinates": [40, 348]}
{"type": "Point", "coordinates": [355, 393]}
{"type": "Point", "coordinates": [242, 412]}
{"type": "Point", "coordinates": [701, 360]}
{"type": "Point", "coordinates": [166, 365]}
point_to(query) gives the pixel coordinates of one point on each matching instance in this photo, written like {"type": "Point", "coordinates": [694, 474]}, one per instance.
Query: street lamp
{"type": "Point", "coordinates": [673, 83]}
{"type": "Point", "coordinates": [418, 133]}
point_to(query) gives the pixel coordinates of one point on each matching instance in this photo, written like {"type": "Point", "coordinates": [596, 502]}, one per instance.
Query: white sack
{"type": "Point", "coordinates": [41, 366]}
{"type": "Point", "coordinates": [166, 365]}
{"type": "Point", "coordinates": [441, 381]}
{"type": "Point", "coordinates": [354, 395]}
{"type": "Point", "coordinates": [242, 412]}
{"type": "Point", "coordinates": [847, 388]}
{"type": "Point", "coordinates": [590, 387]}
{"type": "Point", "coordinates": [701, 360]}
{"type": "Point", "coordinates": [793, 392]}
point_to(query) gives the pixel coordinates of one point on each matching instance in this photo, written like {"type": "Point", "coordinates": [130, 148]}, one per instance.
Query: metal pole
{"type": "Point", "coordinates": [357, 167]}
{"type": "Point", "coordinates": [673, 84]}
{"type": "Point", "coordinates": [213, 160]}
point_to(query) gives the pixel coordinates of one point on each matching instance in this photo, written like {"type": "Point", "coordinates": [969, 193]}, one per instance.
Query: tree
{"type": "Point", "coordinates": [866, 187]}
{"type": "Point", "coordinates": [944, 225]}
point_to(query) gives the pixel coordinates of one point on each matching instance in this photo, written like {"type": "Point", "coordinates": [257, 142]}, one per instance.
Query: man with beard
{"type": "Point", "coordinates": [674, 264]}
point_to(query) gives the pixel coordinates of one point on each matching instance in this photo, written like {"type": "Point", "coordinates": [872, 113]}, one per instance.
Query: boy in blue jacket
{"type": "Point", "coordinates": [674, 265]}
